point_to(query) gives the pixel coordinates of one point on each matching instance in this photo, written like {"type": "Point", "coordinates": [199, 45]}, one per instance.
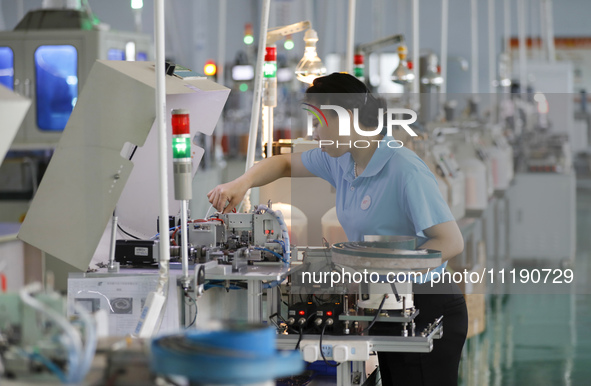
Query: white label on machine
{"type": "Point", "coordinates": [141, 251]}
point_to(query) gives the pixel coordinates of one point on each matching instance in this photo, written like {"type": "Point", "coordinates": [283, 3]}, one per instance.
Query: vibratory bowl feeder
{"type": "Point", "coordinates": [392, 264]}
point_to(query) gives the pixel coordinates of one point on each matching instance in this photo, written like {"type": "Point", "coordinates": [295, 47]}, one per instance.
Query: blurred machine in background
{"type": "Point", "coordinates": [47, 58]}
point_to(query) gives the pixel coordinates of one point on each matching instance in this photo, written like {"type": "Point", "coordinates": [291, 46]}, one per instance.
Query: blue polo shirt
{"type": "Point", "coordinates": [396, 194]}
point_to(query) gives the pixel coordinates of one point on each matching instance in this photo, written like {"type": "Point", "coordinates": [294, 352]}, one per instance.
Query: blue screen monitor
{"type": "Point", "coordinates": [56, 70]}
{"type": "Point", "coordinates": [7, 67]}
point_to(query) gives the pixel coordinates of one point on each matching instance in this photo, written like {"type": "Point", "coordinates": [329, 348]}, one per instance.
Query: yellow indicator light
{"type": "Point", "coordinates": [210, 69]}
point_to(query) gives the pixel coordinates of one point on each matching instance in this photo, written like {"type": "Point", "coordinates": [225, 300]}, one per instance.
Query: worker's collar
{"type": "Point", "coordinates": [377, 162]}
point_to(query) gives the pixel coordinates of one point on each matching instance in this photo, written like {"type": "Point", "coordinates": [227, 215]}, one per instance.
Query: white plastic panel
{"type": "Point", "coordinates": [87, 173]}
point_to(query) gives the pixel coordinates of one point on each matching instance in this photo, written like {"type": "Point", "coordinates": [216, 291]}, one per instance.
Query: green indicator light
{"type": "Point", "coordinates": [358, 71]}
{"type": "Point", "coordinates": [181, 147]}
{"type": "Point", "coordinates": [270, 69]}
{"type": "Point", "coordinates": [288, 45]}
{"type": "Point", "coordinates": [248, 39]}
{"type": "Point", "coordinates": [243, 87]}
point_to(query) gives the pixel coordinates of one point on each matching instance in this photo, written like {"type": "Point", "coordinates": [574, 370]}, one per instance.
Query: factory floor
{"type": "Point", "coordinates": [537, 339]}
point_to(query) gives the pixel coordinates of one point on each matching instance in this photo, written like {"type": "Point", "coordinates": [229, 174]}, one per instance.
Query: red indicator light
{"type": "Point", "coordinates": [328, 313]}
{"type": "Point", "coordinates": [302, 313]}
{"type": "Point", "coordinates": [180, 122]}
{"type": "Point", "coordinates": [270, 54]}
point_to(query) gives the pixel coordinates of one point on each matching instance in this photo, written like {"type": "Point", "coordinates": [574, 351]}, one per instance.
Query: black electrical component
{"type": "Point", "coordinates": [169, 68]}
{"type": "Point", "coordinates": [136, 253]}
{"type": "Point", "coordinates": [328, 311]}
{"type": "Point", "coordinates": [300, 314]}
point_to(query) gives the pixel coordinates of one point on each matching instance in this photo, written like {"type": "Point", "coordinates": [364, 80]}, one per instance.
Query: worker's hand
{"type": "Point", "coordinates": [225, 197]}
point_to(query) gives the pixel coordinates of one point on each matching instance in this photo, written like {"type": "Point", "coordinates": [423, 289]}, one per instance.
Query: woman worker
{"type": "Point", "coordinates": [380, 190]}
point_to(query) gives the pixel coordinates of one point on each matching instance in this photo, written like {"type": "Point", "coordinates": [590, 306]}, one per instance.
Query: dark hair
{"type": "Point", "coordinates": [348, 92]}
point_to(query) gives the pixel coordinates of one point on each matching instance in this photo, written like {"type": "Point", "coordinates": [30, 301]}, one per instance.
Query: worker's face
{"type": "Point", "coordinates": [328, 135]}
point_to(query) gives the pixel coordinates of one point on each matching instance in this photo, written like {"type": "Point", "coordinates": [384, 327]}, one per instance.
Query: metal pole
{"type": "Point", "coordinates": [444, 37]}
{"type": "Point", "coordinates": [258, 86]}
{"type": "Point", "coordinates": [162, 138]}
{"type": "Point", "coordinates": [185, 244]}
{"type": "Point", "coordinates": [271, 128]}
{"type": "Point", "coordinates": [254, 302]}
{"type": "Point", "coordinates": [543, 31]}
{"type": "Point", "coordinates": [415, 49]}
{"type": "Point", "coordinates": [521, 28]}
{"type": "Point", "coordinates": [492, 61]}
{"type": "Point", "coordinates": [221, 67]}
{"type": "Point", "coordinates": [474, 46]}
{"type": "Point", "coordinates": [550, 28]}
{"type": "Point", "coordinates": [338, 27]}
{"type": "Point", "coordinates": [350, 37]}
{"type": "Point", "coordinates": [492, 49]}
{"type": "Point", "coordinates": [112, 266]}
{"type": "Point", "coordinates": [507, 24]}
{"type": "Point", "coordinates": [257, 94]}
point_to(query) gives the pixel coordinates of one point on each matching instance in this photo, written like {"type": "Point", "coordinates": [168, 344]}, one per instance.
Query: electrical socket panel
{"type": "Point", "coordinates": [339, 350]}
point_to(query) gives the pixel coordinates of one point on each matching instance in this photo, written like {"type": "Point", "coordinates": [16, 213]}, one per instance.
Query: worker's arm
{"type": "Point", "coordinates": [262, 173]}
{"type": "Point", "coordinates": [445, 237]}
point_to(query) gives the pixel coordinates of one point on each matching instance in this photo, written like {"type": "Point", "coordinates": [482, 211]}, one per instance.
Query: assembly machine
{"type": "Point", "coordinates": [249, 252]}
{"type": "Point", "coordinates": [326, 320]}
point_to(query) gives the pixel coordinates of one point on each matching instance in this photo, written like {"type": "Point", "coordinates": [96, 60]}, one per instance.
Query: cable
{"type": "Point", "coordinates": [272, 321]}
{"type": "Point", "coordinates": [158, 234]}
{"type": "Point", "coordinates": [74, 345]}
{"type": "Point", "coordinates": [173, 237]}
{"type": "Point", "coordinates": [90, 340]}
{"type": "Point", "coordinates": [272, 284]}
{"type": "Point", "coordinates": [284, 321]}
{"type": "Point", "coordinates": [284, 231]}
{"type": "Point", "coordinates": [301, 331]}
{"type": "Point", "coordinates": [207, 214]}
{"type": "Point", "coordinates": [274, 254]}
{"type": "Point", "coordinates": [377, 314]}
{"type": "Point", "coordinates": [196, 310]}
{"type": "Point", "coordinates": [49, 364]}
{"type": "Point", "coordinates": [297, 347]}
{"type": "Point", "coordinates": [129, 234]}
{"type": "Point", "coordinates": [322, 352]}
{"type": "Point", "coordinates": [282, 244]}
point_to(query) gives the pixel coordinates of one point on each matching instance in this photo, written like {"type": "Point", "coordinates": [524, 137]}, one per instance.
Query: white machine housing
{"type": "Point", "coordinates": [90, 45]}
